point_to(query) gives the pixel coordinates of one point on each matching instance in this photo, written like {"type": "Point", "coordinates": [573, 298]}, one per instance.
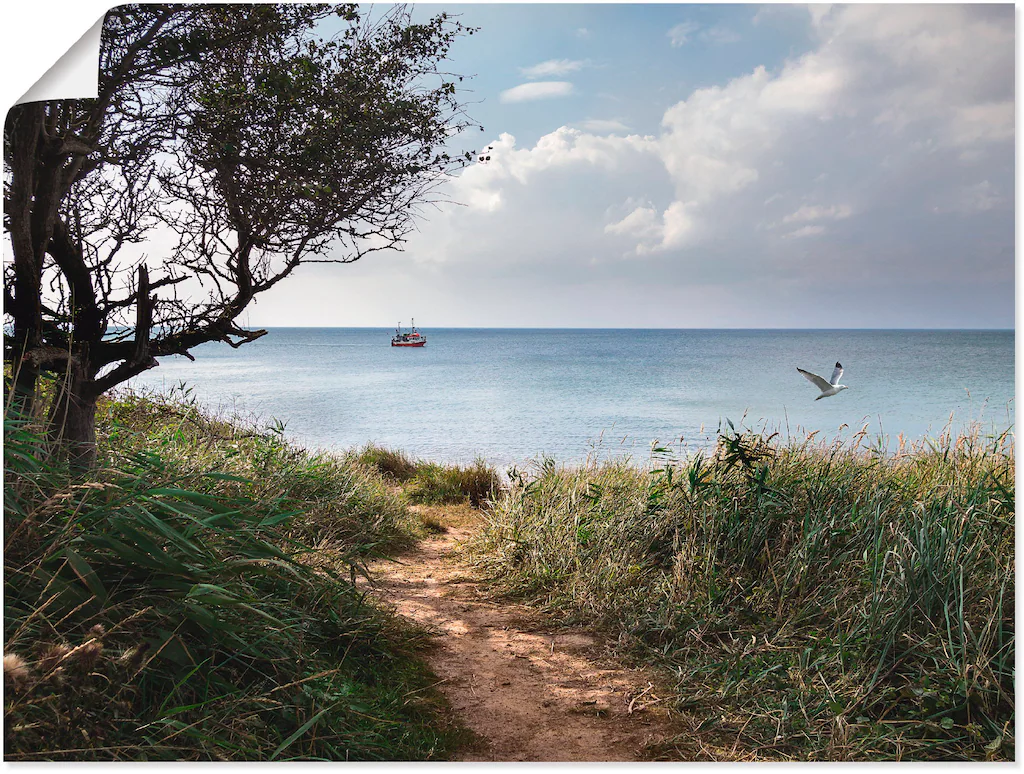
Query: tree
{"type": "Point", "coordinates": [260, 145]}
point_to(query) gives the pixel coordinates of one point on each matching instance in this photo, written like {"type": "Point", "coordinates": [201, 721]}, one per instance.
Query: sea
{"type": "Point", "coordinates": [516, 396]}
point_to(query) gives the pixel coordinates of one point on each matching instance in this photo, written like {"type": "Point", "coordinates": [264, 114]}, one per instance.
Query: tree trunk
{"type": "Point", "coordinates": [73, 418]}
{"type": "Point", "coordinates": [23, 390]}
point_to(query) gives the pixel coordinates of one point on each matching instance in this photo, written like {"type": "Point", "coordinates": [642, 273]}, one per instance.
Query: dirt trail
{"type": "Point", "coordinates": [529, 691]}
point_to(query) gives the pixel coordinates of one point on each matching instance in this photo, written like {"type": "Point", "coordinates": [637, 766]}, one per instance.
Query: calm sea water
{"type": "Point", "coordinates": [511, 395]}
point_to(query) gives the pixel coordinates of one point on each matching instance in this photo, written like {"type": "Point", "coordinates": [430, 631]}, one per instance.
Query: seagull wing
{"type": "Point", "coordinates": [837, 374]}
{"type": "Point", "coordinates": [816, 380]}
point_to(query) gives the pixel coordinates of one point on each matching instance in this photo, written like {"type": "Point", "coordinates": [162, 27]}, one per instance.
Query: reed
{"type": "Point", "coordinates": [808, 600]}
{"type": "Point", "coordinates": [195, 599]}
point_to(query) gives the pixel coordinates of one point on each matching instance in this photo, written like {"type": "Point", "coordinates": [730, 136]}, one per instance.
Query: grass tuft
{"type": "Point", "coordinates": [391, 463]}
{"type": "Point", "coordinates": [451, 484]}
{"type": "Point", "coordinates": [430, 483]}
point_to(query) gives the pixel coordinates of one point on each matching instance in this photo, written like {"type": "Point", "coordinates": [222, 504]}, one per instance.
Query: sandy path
{"type": "Point", "coordinates": [530, 692]}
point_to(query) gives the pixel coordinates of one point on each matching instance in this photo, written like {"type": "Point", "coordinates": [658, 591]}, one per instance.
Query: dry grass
{"type": "Point", "coordinates": [431, 483]}
{"type": "Point", "coordinates": [813, 601]}
{"type": "Point", "coordinates": [441, 518]}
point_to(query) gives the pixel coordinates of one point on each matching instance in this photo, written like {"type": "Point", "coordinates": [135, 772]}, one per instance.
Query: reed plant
{"type": "Point", "coordinates": [807, 600]}
{"type": "Point", "coordinates": [177, 603]}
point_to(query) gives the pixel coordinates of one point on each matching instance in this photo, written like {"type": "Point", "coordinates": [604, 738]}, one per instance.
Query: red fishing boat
{"type": "Point", "coordinates": [411, 339]}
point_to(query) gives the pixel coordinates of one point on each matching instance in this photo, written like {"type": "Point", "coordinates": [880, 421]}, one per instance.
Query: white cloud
{"type": "Point", "coordinates": [683, 33]}
{"type": "Point", "coordinates": [806, 231]}
{"type": "Point", "coordinates": [540, 90]}
{"type": "Point", "coordinates": [642, 222]}
{"type": "Point", "coordinates": [987, 122]}
{"type": "Point", "coordinates": [720, 35]}
{"type": "Point", "coordinates": [680, 227]}
{"type": "Point", "coordinates": [888, 119]}
{"type": "Point", "coordinates": [970, 199]}
{"type": "Point", "coordinates": [583, 33]}
{"type": "Point", "coordinates": [550, 200]}
{"type": "Point", "coordinates": [601, 125]}
{"type": "Point", "coordinates": [553, 67]}
{"type": "Point", "coordinates": [680, 34]}
{"type": "Point", "coordinates": [810, 212]}
{"type": "Point", "coordinates": [563, 147]}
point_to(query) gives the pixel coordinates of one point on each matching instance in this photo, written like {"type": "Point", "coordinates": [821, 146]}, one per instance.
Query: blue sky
{"type": "Point", "coordinates": [623, 60]}
{"type": "Point", "coordinates": [711, 166]}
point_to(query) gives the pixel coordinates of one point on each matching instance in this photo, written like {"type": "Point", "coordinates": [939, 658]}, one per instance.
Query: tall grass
{"type": "Point", "coordinates": [431, 483]}
{"type": "Point", "coordinates": [810, 600]}
{"type": "Point", "coordinates": [333, 501]}
{"type": "Point", "coordinates": [173, 606]}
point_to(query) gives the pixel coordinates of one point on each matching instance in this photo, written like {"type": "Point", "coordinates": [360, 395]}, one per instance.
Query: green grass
{"type": "Point", "coordinates": [451, 484]}
{"type": "Point", "coordinates": [431, 483]}
{"type": "Point", "coordinates": [806, 600]}
{"type": "Point", "coordinates": [393, 464]}
{"type": "Point", "coordinates": [194, 599]}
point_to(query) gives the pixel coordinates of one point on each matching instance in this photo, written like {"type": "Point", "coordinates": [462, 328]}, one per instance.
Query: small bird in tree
{"type": "Point", "coordinates": [829, 388]}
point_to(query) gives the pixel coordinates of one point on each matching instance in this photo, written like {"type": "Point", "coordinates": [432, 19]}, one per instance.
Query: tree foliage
{"type": "Point", "coordinates": [244, 132]}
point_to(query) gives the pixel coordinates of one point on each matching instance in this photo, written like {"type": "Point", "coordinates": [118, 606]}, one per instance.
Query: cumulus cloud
{"type": "Point", "coordinates": [563, 148]}
{"type": "Point", "coordinates": [641, 222]}
{"type": "Point", "coordinates": [835, 165]}
{"type": "Point", "coordinates": [553, 67]}
{"type": "Point", "coordinates": [527, 92]}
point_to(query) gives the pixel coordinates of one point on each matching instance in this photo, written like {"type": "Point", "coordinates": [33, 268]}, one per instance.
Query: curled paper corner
{"type": "Point", "coordinates": [75, 75]}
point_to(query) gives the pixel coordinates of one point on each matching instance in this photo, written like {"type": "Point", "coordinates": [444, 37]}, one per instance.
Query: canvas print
{"type": "Point", "coordinates": [514, 382]}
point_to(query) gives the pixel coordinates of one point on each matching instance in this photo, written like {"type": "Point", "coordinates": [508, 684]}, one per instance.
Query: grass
{"type": "Point", "coordinates": [430, 483]}
{"type": "Point", "coordinates": [809, 601]}
{"type": "Point", "coordinates": [195, 599]}
{"type": "Point", "coordinates": [393, 464]}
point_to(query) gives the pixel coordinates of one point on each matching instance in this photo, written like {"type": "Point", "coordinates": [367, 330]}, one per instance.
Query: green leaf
{"type": "Point", "coordinates": [228, 477]}
{"type": "Point", "coordinates": [86, 574]}
{"type": "Point", "coordinates": [302, 729]}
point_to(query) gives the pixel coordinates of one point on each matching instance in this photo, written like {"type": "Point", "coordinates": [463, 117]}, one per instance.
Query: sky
{"type": "Point", "coordinates": [710, 166]}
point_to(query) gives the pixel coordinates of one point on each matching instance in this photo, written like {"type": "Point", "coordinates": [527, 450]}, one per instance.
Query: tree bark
{"type": "Point", "coordinates": [73, 416]}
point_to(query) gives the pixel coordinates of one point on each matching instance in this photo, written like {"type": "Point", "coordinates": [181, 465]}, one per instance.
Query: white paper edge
{"type": "Point", "coordinates": [74, 75]}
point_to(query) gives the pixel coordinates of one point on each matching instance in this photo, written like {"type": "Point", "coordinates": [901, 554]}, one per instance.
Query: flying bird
{"type": "Point", "coordinates": [829, 388]}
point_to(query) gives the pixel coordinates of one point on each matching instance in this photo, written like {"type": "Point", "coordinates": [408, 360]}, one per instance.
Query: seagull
{"type": "Point", "coordinates": [829, 388]}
